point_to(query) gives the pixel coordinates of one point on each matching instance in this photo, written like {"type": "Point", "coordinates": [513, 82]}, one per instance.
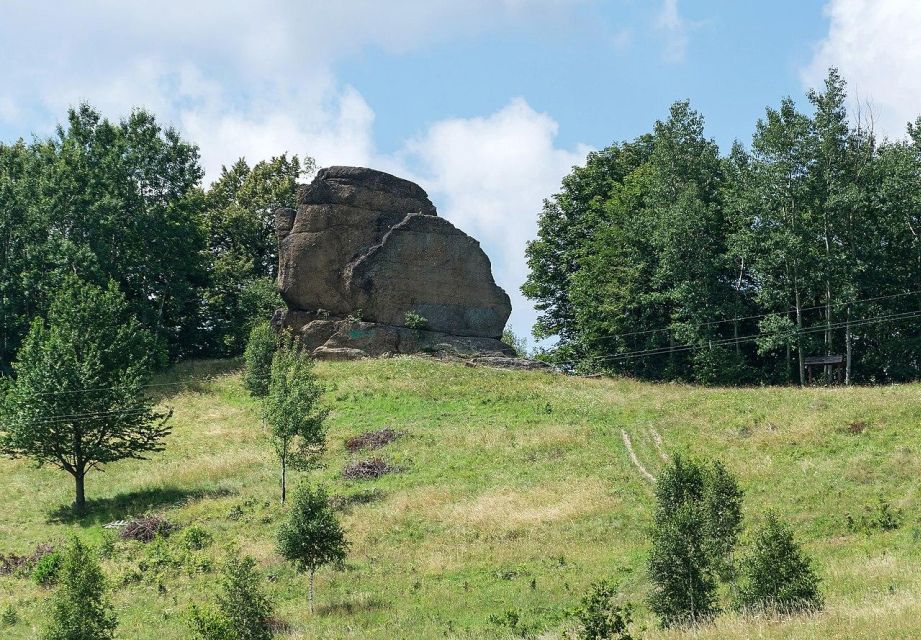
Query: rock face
{"type": "Point", "coordinates": [363, 249]}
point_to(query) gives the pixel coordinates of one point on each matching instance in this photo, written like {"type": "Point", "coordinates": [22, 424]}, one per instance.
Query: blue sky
{"type": "Point", "coordinates": [486, 103]}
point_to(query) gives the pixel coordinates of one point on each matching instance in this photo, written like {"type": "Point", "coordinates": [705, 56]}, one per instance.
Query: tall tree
{"type": "Point", "coordinates": [243, 249]}
{"type": "Point", "coordinates": [77, 401]}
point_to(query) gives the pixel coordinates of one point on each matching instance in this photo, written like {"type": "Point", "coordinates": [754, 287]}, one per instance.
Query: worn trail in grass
{"type": "Point", "coordinates": [514, 492]}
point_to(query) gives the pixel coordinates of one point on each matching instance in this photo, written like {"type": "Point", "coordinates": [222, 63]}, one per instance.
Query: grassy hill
{"type": "Point", "coordinates": [515, 491]}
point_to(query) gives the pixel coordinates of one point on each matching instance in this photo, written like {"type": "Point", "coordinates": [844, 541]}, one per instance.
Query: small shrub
{"type": "Point", "coordinates": [414, 320]}
{"type": "Point", "coordinates": [257, 359]}
{"type": "Point", "coordinates": [9, 617]}
{"type": "Point", "coordinates": [777, 577]}
{"type": "Point", "coordinates": [80, 607]}
{"type": "Point", "coordinates": [46, 569]}
{"type": "Point", "coordinates": [601, 617]}
{"type": "Point", "coordinates": [195, 538]}
{"type": "Point", "coordinates": [513, 621]}
{"type": "Point", "coordinates": [880, 517]}
{"type": "Point", "coordinates": [146, 528]}
{"type": "Point", "coordinates": [518, 344]}
{"type": "Point", "coordinates": [243, 611]}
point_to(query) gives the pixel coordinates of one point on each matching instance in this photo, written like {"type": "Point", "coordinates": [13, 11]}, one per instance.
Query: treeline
{"type": "Point", "coordinates": [123, 202]}
{"type": "Point", "coordinates": [663, 259]}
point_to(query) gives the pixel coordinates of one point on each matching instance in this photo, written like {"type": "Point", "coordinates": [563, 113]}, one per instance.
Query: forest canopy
{"type": "Point", "coordinates": [123, 202]}
{"type": "Point", "coordinates": [663, 258]}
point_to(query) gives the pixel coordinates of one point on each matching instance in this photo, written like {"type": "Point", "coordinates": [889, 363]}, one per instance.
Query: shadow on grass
{"type": "Point", "coordinates": [135, 503]}
{"type": "Point", "coordinates": [351, 607]}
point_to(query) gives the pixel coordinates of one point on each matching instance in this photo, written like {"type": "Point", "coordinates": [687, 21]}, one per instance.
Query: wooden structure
{"type": "Point", "coordinates": [833, 364]}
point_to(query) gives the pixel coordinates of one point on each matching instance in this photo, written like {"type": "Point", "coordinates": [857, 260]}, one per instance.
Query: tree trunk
{"type": "Point", "coordinates": [847, 347]}
{"type": "Point", "coordinates": [80, 501]}
{"type": "Point", "coordinates": [284, 470]}
{"type": "Point", "coordinates": [799, 339]}
{"type": "Point", "coordinates": [310, 591]}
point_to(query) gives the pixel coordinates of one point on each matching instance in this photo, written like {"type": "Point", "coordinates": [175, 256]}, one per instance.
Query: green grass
{"type": "Point", "coordinates": [515, 492]}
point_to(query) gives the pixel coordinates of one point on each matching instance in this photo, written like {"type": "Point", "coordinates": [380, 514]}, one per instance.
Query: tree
{"type": "Point", "coordinates": [105, 201]}
{"type": "Point", "coordinates": [261, 347]}
{"type": "Point", "coordinates": [292, 409]}
{"type": "Point", "coordinates": [77, 401]}
{"type": "Point", "coordinates": [777, 577]}
{"type": "Point", "coordinates": [312, 536]}
{"type": "Point", "coordinates": [243, 248]}
{"type": "Point", "coordinates": [681, 564]}
{"type": "Point", "coordinates": [600, 615]}
{"type": "Point", "coordinates": [80, 608]}
{"type": "Point", "coordinates": [698, 519]}
{"type": "Point", "coordinates": [243, 611]}
{"type": "Point", "coordinates": [722, 498]}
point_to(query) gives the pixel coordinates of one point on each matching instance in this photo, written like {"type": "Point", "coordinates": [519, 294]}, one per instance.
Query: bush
{"type": "Point", "coordinates": [46, 569]}
{"type": "Point", "coordinates": [601, 617]}
{"type": "Point", "coordinates": [9, 617]}
{"type": "Point", "coordinates": [243, 612]}
{"type": "Point", "coordinates": [414, 320]}
{"type": "Point", "coordinates": [80, 608]}
{"type": "Point", "coordinates": [518, 344]}
{"type": "Point", "coordinates": [195, 538]}
{"type": "Point", "coordinates": [257, 359]}
{"type": "Point", "coordinates": [777, 577]}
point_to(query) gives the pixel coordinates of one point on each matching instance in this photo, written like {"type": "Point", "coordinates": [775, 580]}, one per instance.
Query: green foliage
{"type": "Point", "coordinates": [239, 212]}
{"type": "Point", "coordinates": [600, 615]}
{"type": "Point", "coordinates": [722, 498]}
{"type": "Point", "coordinates": [312, 537]}
{"type": "Point", "coordinates": [414, 320]}
{"type": "Point", "coordinates": [78, 400]}
{"type": "Point", "coordinates": [80, 608]}
{"type": "Point", "coordinates": [732, 269]}
{"type": "Point", "coordinates": [9, 617]}
{"type": "Point", "coordinates": [880, 517]}
{"type": "Point", "coordinates": [243, 611]}
{"type": "Point", "coordinates": [126, 208]}
{"type": "Point", "coordinates": [698, 520]}
{"type": "Point", "coordinates": [776, 576]}
{"type": "Point", "coordinates": [48, 568]}
{"type": "Point", "coordinates": [195, 538]}
{"type": "Point", "coordinates": [260, 349]}
{"type": "Point", "coordinates": [519, 344]}
{"type": "Point", "coordinates": [293, 411]}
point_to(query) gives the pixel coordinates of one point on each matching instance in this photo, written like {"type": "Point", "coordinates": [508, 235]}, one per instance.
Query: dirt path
{"type": "Point", "coordinates": [636, 461]}
{"type": "Point", "coordinates": [660, 448]}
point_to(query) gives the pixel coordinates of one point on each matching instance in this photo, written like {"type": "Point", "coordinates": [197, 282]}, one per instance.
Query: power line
{"type": "Point", "coordinates": [752, 317]}
{"type": "Point", "coordinates": [730, 341]}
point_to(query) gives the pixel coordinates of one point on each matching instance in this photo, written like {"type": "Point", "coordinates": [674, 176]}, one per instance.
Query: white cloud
{"type": "Point", "coordinates": [875, 45]}
{"type": "Point", "coordinates": [245, 81]}
{"type": "Point", "coordinates": [489, 176]}
{"type": "Point", "coordinates": [676, 28]}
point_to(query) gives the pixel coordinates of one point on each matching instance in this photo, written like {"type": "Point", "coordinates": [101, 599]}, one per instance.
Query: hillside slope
{"type": "Point", "coordinates": [514, 492]}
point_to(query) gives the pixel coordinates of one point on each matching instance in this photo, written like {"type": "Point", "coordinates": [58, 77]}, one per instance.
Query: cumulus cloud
{"type": "Point", "coordinates": [247, 80]}
{"type": "Point", "coordinates": [489, 176]}
{"type": "Point", "coordinates": [875, 45]}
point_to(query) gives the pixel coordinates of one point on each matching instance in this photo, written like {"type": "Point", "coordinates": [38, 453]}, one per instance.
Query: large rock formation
{"type": "Point", "coordinates": [364, 249]}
